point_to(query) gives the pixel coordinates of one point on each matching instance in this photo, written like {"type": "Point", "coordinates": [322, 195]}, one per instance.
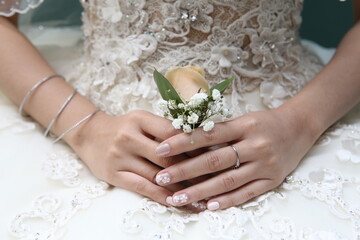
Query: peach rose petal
{"type": "Point", "coordinates": [187, 81]}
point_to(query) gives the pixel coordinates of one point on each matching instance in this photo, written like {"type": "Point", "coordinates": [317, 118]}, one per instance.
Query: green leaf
{"type": "Point", "coordinates": [223, 85]}
{"type": "Point", "coordinates": [166, 90]}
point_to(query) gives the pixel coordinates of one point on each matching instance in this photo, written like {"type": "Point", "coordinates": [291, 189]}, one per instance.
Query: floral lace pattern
{"type": "Point", "coordinates": [47, 208]}
{"type": "Point", "coordinates": [64, 167]}
{"type": "Point", "coordinates": [246, 221]}
{"type": "Point", "coordinates": [350, 141]}
{"type": "Point", "coordinates": [253, 220]}
{"type": "Point", "coordinates": [10, 7]}
{"type": "Point", "coordinates": [170, 219]}
{"type": "Point", "coordinates": [255, 41]}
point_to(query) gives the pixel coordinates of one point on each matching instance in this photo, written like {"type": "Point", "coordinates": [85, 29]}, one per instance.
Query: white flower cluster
{"type": "Point", "coordinates": [201, 110]}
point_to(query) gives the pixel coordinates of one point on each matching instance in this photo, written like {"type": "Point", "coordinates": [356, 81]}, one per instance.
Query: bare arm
{"type": "Point", "coordinates": [21, 67]}
{"type": "Point", "coordinates": [269, 144]}
{"type": "Point", "coordinates": [336, 89]}
{"type": "Point", "coordinates": [108, 145]}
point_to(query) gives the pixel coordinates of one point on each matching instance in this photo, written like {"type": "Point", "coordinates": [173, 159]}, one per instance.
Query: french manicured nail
{"type": "Point", "coordinates": [181, 198]}
{"type": "Point", "coordinates": [213, 206]}
{"type": "Point", "coordinates": [162, 178]}
{"type": "Point", "coordinates": [169, 200]}
{"type": "Point", "coordinates": [162, 149]}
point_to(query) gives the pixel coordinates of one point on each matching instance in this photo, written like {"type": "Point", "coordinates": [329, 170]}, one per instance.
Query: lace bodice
{"type": "Point", "coordinates": [256, 41]}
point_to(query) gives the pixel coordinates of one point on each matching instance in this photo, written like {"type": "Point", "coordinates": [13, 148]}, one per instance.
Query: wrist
{"type": "Point", "coordinates": [83, 133]}
{"type": "Point", "coordinates": [302, 122]}
{"type": "Point", "coordinates": [74, 118]}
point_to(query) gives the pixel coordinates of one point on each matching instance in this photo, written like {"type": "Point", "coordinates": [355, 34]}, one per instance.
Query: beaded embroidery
{"type": "Point", "coordinates": [256, 41]}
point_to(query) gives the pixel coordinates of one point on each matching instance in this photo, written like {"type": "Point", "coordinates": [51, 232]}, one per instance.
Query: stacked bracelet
{"type": "Point", "coordinates": [30, 92]}
{"type": "Point", "coordinates": [59, 112]}
{"type": "Point", "coordinates": [67, 101]}
{"type": "Point", "coordinates": [75, 125]}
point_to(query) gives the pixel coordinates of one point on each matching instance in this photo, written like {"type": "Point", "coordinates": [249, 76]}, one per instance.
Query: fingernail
{"type": "Point", "coordinates": [181, 198]}
{"type": "Point", "coordinates": [162, 149]}
{"type": "Point", "coordinates": [162, 178]}
{"type": "Point", "coordinates": [199, 205]}
{"type": "Point", "coordinates": [169, 200]}
{"type": "Point", "coordinates": [213, 206]}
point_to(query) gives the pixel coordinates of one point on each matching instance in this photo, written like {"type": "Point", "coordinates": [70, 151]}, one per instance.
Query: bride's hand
{"type": "Point", "coordinates": [269, 146]}
{"type": "Point", "coordinates": [120, 151]}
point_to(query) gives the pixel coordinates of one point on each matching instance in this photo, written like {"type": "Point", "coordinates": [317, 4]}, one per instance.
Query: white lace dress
{"type": "Point", "coordinates": [47, 193]}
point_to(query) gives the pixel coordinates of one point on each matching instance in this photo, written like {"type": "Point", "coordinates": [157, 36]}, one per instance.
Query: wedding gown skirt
{"type": "Point", "coordinates": [47, 193]}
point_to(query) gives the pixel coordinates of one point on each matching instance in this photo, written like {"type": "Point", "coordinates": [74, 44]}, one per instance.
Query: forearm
{"type": "Point", "coordinates": [334, 91]}
{"type": "Point", "coordinates": [21, 68]}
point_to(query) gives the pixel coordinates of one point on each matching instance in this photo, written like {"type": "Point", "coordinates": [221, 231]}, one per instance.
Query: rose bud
{"type": "Point", "coordinates": [187, 81]}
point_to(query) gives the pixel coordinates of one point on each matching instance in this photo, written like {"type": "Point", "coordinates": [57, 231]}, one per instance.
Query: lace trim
{"type": "Point", "coordinates": [351, 144]}
{"type": "Point", "coordinates": [63, 166]}
{"type": "Point", "coordinates": [169, 219]}
{"type": "Point", "coordinates": [246, 221]}
{"type": "Point", "coordinates": [325, 186]}
{"type": "Point", "coordinates": [47, 208]}
{"type": "Point", "coordinates": [350, 140]}
{"type": "Point", "coordinates": [10, 7]}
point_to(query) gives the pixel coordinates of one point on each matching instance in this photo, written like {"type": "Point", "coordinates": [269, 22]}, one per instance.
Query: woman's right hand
{"type": "Point", "coordinates": [120, 151]}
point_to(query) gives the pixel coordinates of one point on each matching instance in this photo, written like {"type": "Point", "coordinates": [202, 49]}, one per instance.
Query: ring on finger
{"type": "Point", "coordinates": [237, 163]}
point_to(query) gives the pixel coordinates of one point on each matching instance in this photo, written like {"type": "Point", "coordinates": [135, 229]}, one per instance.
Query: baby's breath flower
{"type": "Point", "coordinates": [213, 107]}
{"type": "Point", "coordinates": [216, 94]}
{"type": "Point", "coordinates": [193, 104]}
{"type": "Point", "coordinates": [177, 123]}
{"type": "Point", "coordinates": [181, 106]}
{"type": "Point", "coordinates": [208, 126]}
{"type": "Point", "coordinates": [172, 104]}
{"type": "Point", "coordinates": [197, 99]}
{"type": "Point", "coordinates": [193, 118]}
{"type": "Point", "coordinates": [226, 112]}
{"type": "Point", "coordinates": [163, 105]}
{"type": "Point", "coordinates": [187, 128]}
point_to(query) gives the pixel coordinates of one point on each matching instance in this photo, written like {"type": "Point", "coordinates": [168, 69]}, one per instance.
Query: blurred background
{"type": "Point", "coordinates": [324, 21]}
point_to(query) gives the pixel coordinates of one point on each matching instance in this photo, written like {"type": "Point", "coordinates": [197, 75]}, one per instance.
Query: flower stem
{"type": "Point", "coordinates": [192, 139]}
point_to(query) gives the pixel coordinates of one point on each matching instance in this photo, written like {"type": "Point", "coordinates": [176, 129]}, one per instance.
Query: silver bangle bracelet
{"type": "Point", "coordinates": [46, 133]}
{"type": "Point", "coordinates": [75, 125]}
{"type": "Point", "coordinates": [30, 92]}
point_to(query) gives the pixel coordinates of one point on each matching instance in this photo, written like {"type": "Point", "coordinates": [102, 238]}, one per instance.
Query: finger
{"type": "Point", "coordinates": [143, 168]}
{"type": "Point", "coordinates": [184, 142]}
{"type": "Point", "coordinates": [197, 152]}
{"type": "Point", "coordinates": [224, 182]}
{"type": "Point", "coordinates": [147, 152]}
{"type": "Point", "coordinates": [209, 162]}
{"type": "Point", "coordinates": [157, 126]}
{"type": "Point", "coordinates": [148, 170]}
{"type": "Point", "coordinates": [141, 185]}
{"type": "Point", "coordinates": [241, 195]}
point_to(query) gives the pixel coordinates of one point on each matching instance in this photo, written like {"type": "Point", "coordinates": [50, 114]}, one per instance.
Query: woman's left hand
{"type": "Point", "coordinates": [269, 145]}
